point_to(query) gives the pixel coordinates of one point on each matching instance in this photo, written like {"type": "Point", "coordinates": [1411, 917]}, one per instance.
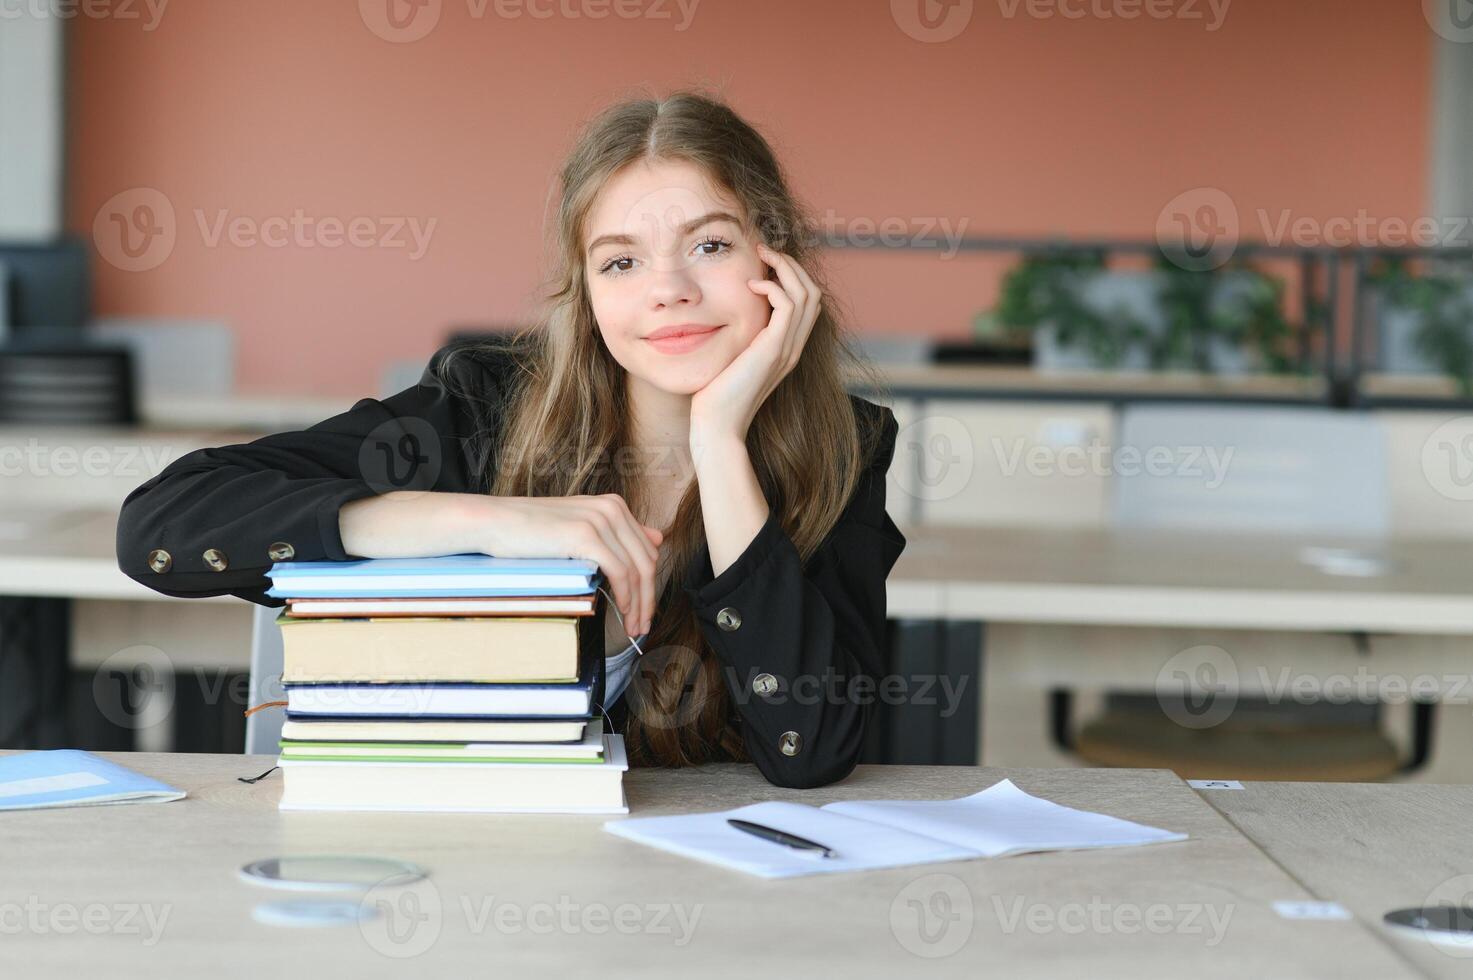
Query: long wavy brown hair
{"type": "Point", "coordinates": [566, 419]}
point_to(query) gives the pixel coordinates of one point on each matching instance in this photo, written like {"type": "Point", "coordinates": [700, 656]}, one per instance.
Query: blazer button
{"type": "Point", "coordinates": [216, 559]}
{"type": "Point", "coordinates": [764, 684]}
{"type": "Point", "coordinates": [729, 619]}
{"type": "Point", "coordinates": [280, 551]}
{"type": "Point", "coordinates": [790, 743]}
{"type": "Point", "coordinates": [160, 560]}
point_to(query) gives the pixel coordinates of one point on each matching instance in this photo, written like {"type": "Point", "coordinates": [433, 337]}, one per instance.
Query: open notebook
{"type": "Point", "coordinates": [864, 834]}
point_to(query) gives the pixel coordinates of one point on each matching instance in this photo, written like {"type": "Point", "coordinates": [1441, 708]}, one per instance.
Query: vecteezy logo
{"type": "Point", "coordinates": [934, 457]}
{"type": "Point", "coordinates": [932, 916]}
{"type": "Point", "coordinates": [134, 687]}
{"type": "Point", "coordinates": [648, 687]}
{"type": "Point", "coordinates": [405, 917]}
{"type": "Point", "coordinates": [1447, 458]}
{"type": "Point", "coordinates": [400, 21]}
{"type": "Point", "coordinates": [135, 229]}
{"type": "Point", "coordinates": [1198, 688]}
{"type": "Point", "coordinates": [931, 21]}
{"type": "Point", "coordinates": [1456, 896]}
{"type": "Point", "coordinates": [1198, 229]}
{"type": "Point", "coordinates": [401, 454]}
{"type": "Point", "coordinates": [1452, 20]}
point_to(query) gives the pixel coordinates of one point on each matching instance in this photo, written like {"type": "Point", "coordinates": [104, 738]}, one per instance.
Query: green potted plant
{"type": "Point", "coordinates": [1425, 322]}
{"type": "Point", "coordinates": [1084, 316]}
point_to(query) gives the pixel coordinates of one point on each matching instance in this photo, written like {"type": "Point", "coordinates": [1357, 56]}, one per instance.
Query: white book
{"type": "Point", "coordinates": [459, 787]}
{"type": "Point", "coordinates": [440, 700]}
{"type": "Point", "coordinates": [865, 834]}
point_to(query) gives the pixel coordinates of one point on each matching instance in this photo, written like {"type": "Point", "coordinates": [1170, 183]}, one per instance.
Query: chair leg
{"type": "Point", "coordinates": [1061, 706]}
{"type": "Point", "coordinates": [1424, 715]}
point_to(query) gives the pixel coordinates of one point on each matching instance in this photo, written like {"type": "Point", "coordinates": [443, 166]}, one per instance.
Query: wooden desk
{"type": "Point", "coordinates": [1042, 915]}
{"type": "Point", "coordinates": [1372, 847]}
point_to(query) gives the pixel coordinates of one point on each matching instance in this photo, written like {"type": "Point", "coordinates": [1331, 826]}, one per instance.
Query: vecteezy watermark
{"type": "Point", "coordinates": [919, 233]}
{"type": "Point", "coordinates": [37, 917]}
{"type": "Point", "coordinates": [1452, 20]}
{"type": "Point", "coordinates": [1361, 229]}
{"type": "Point", "coordinates": [1212, 13]}
{"type": "Point", "coordinates": [1200, 229]}
{"type": "Point", "coordinates": [1101, 917]}
{"type": "Point", "coordinates": [1455, 895]}
{"type": "Point", "coordinates": [40, 460]}
{"type": "Point", "coordinates": [935, 21]}
{"type": "Point", "coordinates": [402, 454]}
{"type": "Point", "coordinates": [1447, 458]}
{"type": "Point", "coordinates": [1363, 686]}
{"type": "Point", "coordinates": [934, 458]}
{"type": "Point", "coordinates": [148, 11]}
{"type": "Point", "coordinates": [134, 688]}
{"type": "Point", "coordinates": [831, 688]}
{"type": "Point", "coordinates": [404, 21]}
{"type": "Point", "coordinates": [1207, 463]}
{"type": "Point", "coordinates": [137, 687]}
{"type": "Point", "coordinates": [932, 21]}
{"type": "Point", "coordinates": [932, 916]}
{"type": "Point", "coordinates": [1198, 687]}
{"type": "Point", "coordinates": [1201, 686]}
{"type": "Point", "coordinates": [407, 919]}
{"type": "Point", "coordinates": [136, 230]}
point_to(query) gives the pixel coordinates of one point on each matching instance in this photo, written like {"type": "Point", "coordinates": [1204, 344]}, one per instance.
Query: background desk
{"type": "Point", "coordinates": [1010, 917]}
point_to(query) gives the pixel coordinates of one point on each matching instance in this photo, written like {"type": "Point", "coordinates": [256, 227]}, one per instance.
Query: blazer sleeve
{"type": "Point", "coordinates": [214, 520]}
{"type": "Point", "coordinates": [811, 637]}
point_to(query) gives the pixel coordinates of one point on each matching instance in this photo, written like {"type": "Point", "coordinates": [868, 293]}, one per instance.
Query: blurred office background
{"type": "Point", "coordinates": [1171, 299]}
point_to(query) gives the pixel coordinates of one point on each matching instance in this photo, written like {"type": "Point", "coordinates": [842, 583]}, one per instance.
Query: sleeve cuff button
{"type": "Point", "coordinates": [280, 551]}
{"type": "Point", "coordinates": [216, 559]}
{"type": "Point", "coordinates": [159, 560]}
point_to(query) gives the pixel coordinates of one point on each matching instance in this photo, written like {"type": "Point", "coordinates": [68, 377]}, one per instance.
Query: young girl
{"type": "Point", "coordinates": [679, 408]}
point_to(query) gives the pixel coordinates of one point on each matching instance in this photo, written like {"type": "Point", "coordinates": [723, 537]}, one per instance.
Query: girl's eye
{"type": "Point", "coordinates": [713, 240]}
{"type": "Point", "coordinates": [609, 267]}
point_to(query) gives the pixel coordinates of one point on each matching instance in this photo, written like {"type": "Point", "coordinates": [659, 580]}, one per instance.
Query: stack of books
{"type": "Point", "coordinates": [462, 683]}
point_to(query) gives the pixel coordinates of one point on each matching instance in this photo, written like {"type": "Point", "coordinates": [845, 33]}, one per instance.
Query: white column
{"type": "Point", "coordinates": [1450, 186]}
{"type": "Point", "coordinates": [32, 122]}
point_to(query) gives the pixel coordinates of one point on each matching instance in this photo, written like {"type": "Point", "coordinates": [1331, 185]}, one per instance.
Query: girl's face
{"type": "Point", "coordinates": [664, 249]}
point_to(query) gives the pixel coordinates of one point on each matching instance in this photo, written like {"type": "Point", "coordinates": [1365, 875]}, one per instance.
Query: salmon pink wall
{"type": "Point", "coordinates": [1028, 120]}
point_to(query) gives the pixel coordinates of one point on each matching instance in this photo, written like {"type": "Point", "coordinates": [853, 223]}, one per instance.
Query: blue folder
{"type": "Point", "coordinates": [71, 777]}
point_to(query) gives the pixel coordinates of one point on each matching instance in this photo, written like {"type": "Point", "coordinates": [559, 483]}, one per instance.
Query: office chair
{"type": "Point", "coordinates": [263, 728]}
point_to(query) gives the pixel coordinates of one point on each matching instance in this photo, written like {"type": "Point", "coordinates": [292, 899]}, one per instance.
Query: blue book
{"type": "Point", "coordinates": [71, 777]}
{"type": "Point", "coordinates": [449, 575]}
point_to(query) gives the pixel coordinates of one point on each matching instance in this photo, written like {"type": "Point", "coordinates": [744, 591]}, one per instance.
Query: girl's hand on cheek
{"type": "Point", "coordinates": [724, 409]}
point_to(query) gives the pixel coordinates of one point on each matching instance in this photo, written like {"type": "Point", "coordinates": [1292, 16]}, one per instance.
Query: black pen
{"type": "Point", "coordinates": [780, 837]}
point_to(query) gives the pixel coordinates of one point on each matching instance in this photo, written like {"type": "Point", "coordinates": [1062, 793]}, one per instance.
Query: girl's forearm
{"type": "Point", "coordinates": [732, 505]}
{"type": "Point", "coordinates": [414, 524]}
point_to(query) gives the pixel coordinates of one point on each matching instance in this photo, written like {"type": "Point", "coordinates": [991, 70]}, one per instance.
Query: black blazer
{"type": "Point", "coordinates": [214, 520]}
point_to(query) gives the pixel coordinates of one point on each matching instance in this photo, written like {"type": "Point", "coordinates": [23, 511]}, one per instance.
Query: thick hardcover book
{"type": "Point", "coordinates": [503, 702]}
